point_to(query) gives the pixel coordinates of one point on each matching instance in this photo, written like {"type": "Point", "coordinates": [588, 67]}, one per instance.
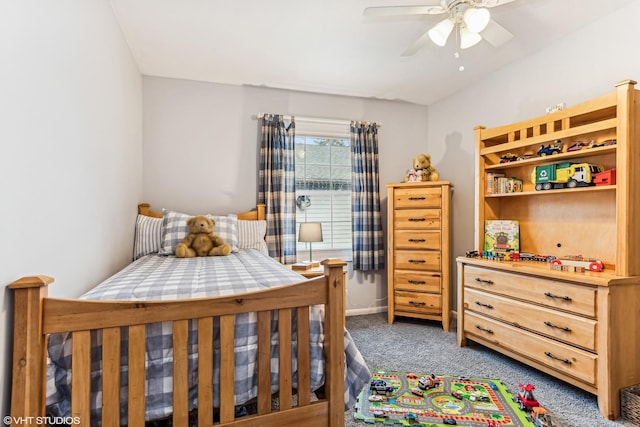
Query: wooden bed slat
{"type": "Point", "coordinates": [304, 357]}
{"type": "Point", "coordinates": [111, 378]}
{"type": "Point", "coordinates": [137, 402]}
{"type": "Point", "coordinates": [70, 315]}
{"type": "Point", "coordinates": [264, 362]}
{"type": "Point", "coordinates": [81, 378]}
{"type": "Point", "coordinates": [180, 373]}
{"type": "Point", "coordinates": [227, 368]}
{"type": "Point", "coordinates": [284, 358]}
{"type": "Point", "coordinates": [205, 371]}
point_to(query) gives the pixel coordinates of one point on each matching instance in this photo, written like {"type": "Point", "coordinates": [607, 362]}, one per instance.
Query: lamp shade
{"type": "Point", "coordinates": [476, 19]}
{"type": "Point", "coordinates": [440, 32]}
{"type": "Point", "coordinates": [310, 232]}
{"type": "Point", "coordinates": [467, 38]}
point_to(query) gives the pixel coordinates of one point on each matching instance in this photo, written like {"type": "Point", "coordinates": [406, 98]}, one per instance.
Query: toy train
{"type": "Point", "coordinates": [574, 263]}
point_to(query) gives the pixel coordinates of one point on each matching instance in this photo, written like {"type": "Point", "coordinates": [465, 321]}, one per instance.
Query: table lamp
{"type": "Point", "coordinates": [310, 232]}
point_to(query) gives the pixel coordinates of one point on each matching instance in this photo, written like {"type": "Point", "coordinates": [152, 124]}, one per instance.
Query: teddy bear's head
{"type": "Point", "coordinates": [200, 224]}
{"type": "Point", "coordinates": [421, 161]}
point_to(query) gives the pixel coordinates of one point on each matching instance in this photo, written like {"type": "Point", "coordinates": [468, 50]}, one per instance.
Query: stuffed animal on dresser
{"type": "Point", "coordinates": [201, 240]}
{"type": "Point", "coordinates": [422, 166]}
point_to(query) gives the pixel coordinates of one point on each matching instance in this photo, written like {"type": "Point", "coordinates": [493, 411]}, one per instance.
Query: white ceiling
{"type": "Point", "coordinates": [328, 46]}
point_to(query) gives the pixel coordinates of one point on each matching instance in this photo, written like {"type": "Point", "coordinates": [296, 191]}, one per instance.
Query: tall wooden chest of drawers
{"type": "Point", "coordinates": [418, 251]}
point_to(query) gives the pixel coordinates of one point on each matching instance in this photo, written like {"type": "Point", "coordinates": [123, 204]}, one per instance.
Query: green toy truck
{"type": "Point", "coordinates": [563, 175]}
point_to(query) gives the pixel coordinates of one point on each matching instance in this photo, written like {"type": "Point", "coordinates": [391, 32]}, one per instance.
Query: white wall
{"type": "Point", "coordinates": [70, 162]}
{"type": "Point", "coordinates": [201, 149]}
{"type": "Point", "coordinates": [581, 66]}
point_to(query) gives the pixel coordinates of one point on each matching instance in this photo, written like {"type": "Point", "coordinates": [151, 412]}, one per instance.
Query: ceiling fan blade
{"type": "Point", "coordinates": [403, 10]}
{"type": "Point", "coordinates": [496, 34]}
{"type": "Point", "coordinates": [416, 45]}
{"type": "Point", "coordinates": [493, 3]}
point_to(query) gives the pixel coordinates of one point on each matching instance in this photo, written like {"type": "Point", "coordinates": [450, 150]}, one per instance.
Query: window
{"type": "Point", "coordinates": [323, 189]}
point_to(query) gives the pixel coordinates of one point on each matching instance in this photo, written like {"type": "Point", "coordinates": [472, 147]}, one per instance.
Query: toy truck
{"type": "Point", "coordinates": [563, 175]}
{"type": "Point", "coordinates": [541, 417]}
{"type": "Point", "coordinates": [381, 387]}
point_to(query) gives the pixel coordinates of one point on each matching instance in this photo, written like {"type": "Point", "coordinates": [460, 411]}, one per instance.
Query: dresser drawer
{"type": "Point", "coordinates": [417, 302]}
{"type": "Point", "coordinates": [411, 239]}
{"type": "Point", "coordinates": [417, 198]}
{"type": "Point", "coordinates": [572, 329]}
{"type": "Point", "coordinates": [571, 361]}
{"type": "Point", "coordinates": [417, 219]}
{"type": "Point", "coordinates": [417, 281]}
{"type": "Point", "coordinates": [417, 260]}
{"type": "Point", "coordinates": [550, 293]}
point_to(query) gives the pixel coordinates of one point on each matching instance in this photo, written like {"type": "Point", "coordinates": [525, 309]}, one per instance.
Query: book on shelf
{"type": "Point", "coordinates": [497, 183]}
{"type": "Point", "coordinates": [492, 182]}
{"type": "Point", "coordinates": [501, 235]}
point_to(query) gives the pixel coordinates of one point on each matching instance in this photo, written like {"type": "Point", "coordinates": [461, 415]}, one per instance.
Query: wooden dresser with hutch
{"type": "Point", "coordinates": [418, 250]}
{"type": "Point", "coordinates": [581, 327]}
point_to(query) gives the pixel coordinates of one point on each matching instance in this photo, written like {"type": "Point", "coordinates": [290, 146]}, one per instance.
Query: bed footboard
{"type": "Point", "coordinates": [36, 316]}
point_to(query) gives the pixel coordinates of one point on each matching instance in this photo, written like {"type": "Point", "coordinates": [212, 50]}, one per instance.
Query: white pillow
{"type": "Point", "coordinates": [251, 235]}
{"type": "Point", "coordinates": [148, 236]}
{"type": "Point", "coordinates": [175, 229]}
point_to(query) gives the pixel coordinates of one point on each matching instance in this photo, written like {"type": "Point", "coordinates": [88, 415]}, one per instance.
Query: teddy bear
{"type": "Point", "coordinates": [201, 240]}
{"type": "Point", "coordinates": [422, 164]}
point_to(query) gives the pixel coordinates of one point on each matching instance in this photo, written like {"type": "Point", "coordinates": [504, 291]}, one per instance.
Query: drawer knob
{"type": "Point", "coordinates": [417, 219]}
{"type": "Point", "coordinates": [417, 261]}
{"type": "Point", "coordinates": [417, 303]}
{"type": "Point", "coordinates": [550, 295]}
{"type": "Point", "coordinates": [417, 282]}
{"type": "Point", "coordinates": [488, 282]}
{"type": "Point", "coordinates": [416, 240]}
{"type": "Point", "coordinates": [482, 328]}
{"type": "Point", "coordinates": [482, 304]}
{"type": "Point", "coordinates": [417, 198]}
{"type": "Point", "coordinates": [551, 325]}
{"type": "Point", "coordinates": [553, 356]}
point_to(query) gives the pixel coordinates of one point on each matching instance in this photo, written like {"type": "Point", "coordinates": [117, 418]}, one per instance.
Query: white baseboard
{"type": "Point", "coordinates": [368, 310]}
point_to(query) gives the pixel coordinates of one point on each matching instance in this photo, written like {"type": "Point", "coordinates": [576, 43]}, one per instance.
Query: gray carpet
{"type": "Point", "coordinates": [411, 345]}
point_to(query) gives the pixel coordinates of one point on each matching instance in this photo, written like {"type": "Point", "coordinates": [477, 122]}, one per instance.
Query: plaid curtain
{"type": "Point", "coordinates": [277, 186]}
{"type": "Point", "coordinates": [368, 242]}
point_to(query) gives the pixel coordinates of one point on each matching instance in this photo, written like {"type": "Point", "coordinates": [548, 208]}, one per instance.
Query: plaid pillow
{"type": "Point", "coordinates": [175, 229]}
{"type": "Point", "coordinates": [251, 235]}
{"type": "Point", "coordinates": [148, 236]}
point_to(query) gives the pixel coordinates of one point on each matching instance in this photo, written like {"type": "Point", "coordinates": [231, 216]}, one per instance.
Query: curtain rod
{"type": "Point", "coordinates": [317, 120]}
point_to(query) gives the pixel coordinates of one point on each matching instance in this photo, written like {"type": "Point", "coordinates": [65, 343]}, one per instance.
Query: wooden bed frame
{"type": "Point", "coordinates": [36, 315]}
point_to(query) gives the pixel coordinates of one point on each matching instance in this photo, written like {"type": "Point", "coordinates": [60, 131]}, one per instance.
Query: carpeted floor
{"type": "Point", "coordinates": [422, 346]}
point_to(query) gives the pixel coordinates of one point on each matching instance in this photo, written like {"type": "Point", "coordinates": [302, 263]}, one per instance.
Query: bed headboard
{"type": "Point", "coordinates": [253, 215]}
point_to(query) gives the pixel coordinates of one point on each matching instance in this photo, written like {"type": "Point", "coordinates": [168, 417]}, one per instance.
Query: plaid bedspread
{"type": "Point", "coordinates": [167, 278]}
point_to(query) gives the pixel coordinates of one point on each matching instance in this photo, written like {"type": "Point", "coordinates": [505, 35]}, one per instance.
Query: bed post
{"type": "Point", "coordinates": [29, 346]}
{"type": "Point", "coordinates": [334, 350]}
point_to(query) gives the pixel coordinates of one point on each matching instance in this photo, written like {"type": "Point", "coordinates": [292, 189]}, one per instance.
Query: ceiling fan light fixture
{"type": "Point", "coordinates": [476, 19]}
{"type": "Point", "coordinates": [467, 38]}
{"type": "Point", "coordinates": [441, 31]}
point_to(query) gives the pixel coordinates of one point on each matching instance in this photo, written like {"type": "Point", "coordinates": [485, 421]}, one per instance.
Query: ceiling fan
{"type": "Point", "coordinates": [471, 20]}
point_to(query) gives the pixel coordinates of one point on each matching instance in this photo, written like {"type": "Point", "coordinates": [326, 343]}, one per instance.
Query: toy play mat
{"type": "Point", "coordinates": [437, 400]}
